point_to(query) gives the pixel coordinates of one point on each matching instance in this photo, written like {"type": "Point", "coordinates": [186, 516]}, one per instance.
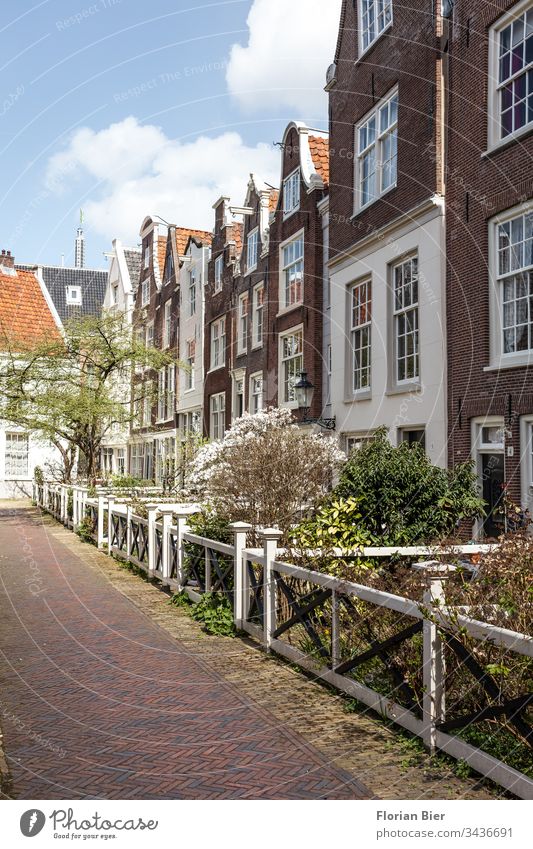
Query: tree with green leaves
{"type": "Point", "coordinates": [72, 389]}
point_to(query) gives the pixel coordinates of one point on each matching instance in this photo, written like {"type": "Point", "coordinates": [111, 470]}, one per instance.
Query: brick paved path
{"type": "Point", "coordinates": [98, 701]}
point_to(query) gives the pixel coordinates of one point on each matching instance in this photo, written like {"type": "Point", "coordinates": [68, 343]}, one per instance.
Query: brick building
{"type": "Point", "coordinates": [490, 246]}
{"type": "Point", "coordinates": [387, 231]}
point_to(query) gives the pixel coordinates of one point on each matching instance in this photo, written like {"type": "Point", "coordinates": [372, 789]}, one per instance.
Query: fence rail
{"type": "Point", "coordinates": [316, 620]}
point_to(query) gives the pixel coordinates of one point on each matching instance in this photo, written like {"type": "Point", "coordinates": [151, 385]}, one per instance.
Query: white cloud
{"type": "Point", "coordinates": [137, 171]}
{"type": "Point", "coordinates": [291, 44]}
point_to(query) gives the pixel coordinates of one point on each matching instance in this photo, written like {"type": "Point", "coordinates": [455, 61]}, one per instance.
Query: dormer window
{"type": "Point", "coordinates": [74, 295]}
{"type": "Point", "coordinates": [291, 193]}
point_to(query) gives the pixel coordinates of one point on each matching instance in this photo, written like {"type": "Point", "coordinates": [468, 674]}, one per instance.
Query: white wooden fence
{"type": "Point", "coordinates": [256, 580]}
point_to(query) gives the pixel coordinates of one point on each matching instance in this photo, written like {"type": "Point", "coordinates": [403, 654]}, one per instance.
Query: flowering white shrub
{"type": "Point", "coordinates": [266, 470]}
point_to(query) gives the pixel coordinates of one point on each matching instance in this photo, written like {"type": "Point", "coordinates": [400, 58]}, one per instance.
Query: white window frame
{"type": "Point", "coordinates": [217, 416]}
{"type": "Point", "coordinates": [150, 338]}
{"type": "Point", "coordinates": [218, 344]}
{"type": "Point", "coordinates": [377, 145]}
{"type": "Point", "coordinates": [401, 312]}
{"type": "Point", "coordinates": [147, 256]}
{"type": "Point", "coordinates": [359, 326]}
{"type": "Point", "coordinates": [192, 292]}
{"type": "Point", "coordinates": [495, 137]}
{"type": "Point", "coordinates": [121, 461]}
{"type": "Point", "coordinates": [147, 404]}
{"type": "Point", "coordinates": [219, 272]}
{"type": "Point", "coordinates": [282, 360]}
{"type": "Point", "coordinates": [167, 324]}
{"type": "Point", "coordinates": [190, 357]}
{"type": "Point", "coordinates": [258, 315]}
{"type": "Point", "coordinates": [252, 250]}
{"type": "Point", "coordinates": [162, 395]}
{"type": "Point", "coordinates": [170, 391]}
{"type": "Point", "coordinates": [145, 291]}
{"type": "Point", "coordinates": [284, 288]}
{"type": "Point", "coordinates": [17, 459]}
{"type": "Point", "coordinates": [499, 359]}
{"type": "Point", "coordinates": [257, 401]}
{"type": "Point", "coordinates": [368, 12]}
{"type": "Point", "coordinates": [242, 327]}
{"type": "Point", "coordinates": [291, 193]}
{"type": "Point", "coordinates": [239, 381]}
{"type": "Point", "coordinates": [356, 439]}
{"type": "Point", "coordinates": [137, 460]}
{"type": "Point", "coordinates": [73, 296]}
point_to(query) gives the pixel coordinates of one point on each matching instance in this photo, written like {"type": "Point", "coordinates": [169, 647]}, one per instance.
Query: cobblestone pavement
{"type": "Point", "coordinates": [108, 692]}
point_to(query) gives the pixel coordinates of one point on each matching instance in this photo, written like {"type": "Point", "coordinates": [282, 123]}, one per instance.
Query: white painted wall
{"type": "Point", "coordinates": [39, 455]}
{"type": "Point", "coordinates": [407, 408]}
{"type": "Point", "coordinates": [192, 327]}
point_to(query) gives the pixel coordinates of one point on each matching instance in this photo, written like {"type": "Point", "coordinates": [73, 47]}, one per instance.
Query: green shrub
{"type": "Point", "coordinates": [85, 530]}
{"type": "Point", "coordinates": [38, 475]}
{"type": "Point", "coordinates": [337, 524]}
{"type": "Point", "coordinates": [403, 498]}
{"type": "Point", "coordinates": [207, 523]}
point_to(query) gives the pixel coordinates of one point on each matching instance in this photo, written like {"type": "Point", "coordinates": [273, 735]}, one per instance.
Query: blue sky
{"type": "Point", "coordinates": [127, 108]}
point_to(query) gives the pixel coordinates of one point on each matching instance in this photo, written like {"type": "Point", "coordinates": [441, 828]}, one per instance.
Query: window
{"type": "Point", "coordinates": [169, 268]}
{"type": "Point", "coordinates": [167, 324]}
{"type": "Point", "coordinates": [257, 315]}
{"type": "Point", "coordinates": [405, 279]}
{"type": "Point", "coordinates": [292, 364]}
{"type": "Point", "coordinates": [252, 248]}
{"type": "Point", "coordinates": [171, 392]}
{"type": "Point", "coordinates": [218, 343]}
{"type": "Point", "coordinates": [242, 335]}
{"type": "Point", "coordinates": [515, 282]}
{"type": "Point", "coordinates": [145, 291]}
{"type": "Point", "coordinates": [377, 152]}
{"type": "Point", "coordinates": [375, 16]}
{"type": "Point", "coordinates": [147, 404]}
{"type": "Point", "coordinates": [137, 460]}
{"type": "Point", "coordinates": [256, 393]}
{"type": "Point", "coordinates": [121, 461]}
{"type": "Point", "coordinates": [147, 255]}
{"type": "Point", "coordinates": [512, 44]}
{"type": "Point", "coordinates": [16, 455]}
{"type": "Point", "coordinates": [219, 270]}
{"type": "Point", "coordinates": [291, 193]}
{"type": "Point", "coordinates": [238, 400]}
{"type": "Point", "coordinates": [74, 295]}
{"type": "Point", "coordinates": [413, 436]}
{"type": "Point", "coordinates": [361, 335]}
{"type": "Point", "coordinates": [192, 292]}
{"type": "Point", "coordinates": [189, 359]}
{"type": "Point", "coordinates": [292, 273]}
{"type": "Point", "coordinates": [218, 415]}
{"type": "Point", "coordinates": [114, 294]}
{"type": "Point", "coordinates": [150, 335]}
{"type": "Point", "coordinates": [354, 441]}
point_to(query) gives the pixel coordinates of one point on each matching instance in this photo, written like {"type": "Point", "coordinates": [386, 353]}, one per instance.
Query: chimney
{"type": "Point", "coordinates": [7, 260]}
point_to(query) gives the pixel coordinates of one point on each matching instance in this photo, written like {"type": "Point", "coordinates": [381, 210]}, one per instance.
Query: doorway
{"type": "Point", "coordinates": [493, 480]}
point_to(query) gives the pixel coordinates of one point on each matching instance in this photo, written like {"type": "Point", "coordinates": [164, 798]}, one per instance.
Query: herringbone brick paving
{"type": "Point", "coordinates": [98, 701]}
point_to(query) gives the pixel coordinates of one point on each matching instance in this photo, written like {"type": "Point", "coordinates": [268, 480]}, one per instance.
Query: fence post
{"type": "Point", "coordinates": [335, 632]}
{"type": "Point", "coordinates": [129, 511]}
{"type": "Point", "coordinates": [270, 537]}
{"type": "Point", "coordinates": [240, 608]}
{"type": "Point", "coordinates": [181, 528]}
{"type": "Point", "coordinates": [100, 522]}
{"type": "Point", "coordinates": [433, 706]}
{"type": "Point", "coordinates": [110, 505]}
{"type": "Point", "coordinates": [152, 515]}
{"type": "Point", "coordinates": [166, 522]}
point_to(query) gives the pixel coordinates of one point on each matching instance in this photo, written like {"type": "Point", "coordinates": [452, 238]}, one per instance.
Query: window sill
{"type": "Point", "coordinates": [501, 144]}
{"type": "Point", "coordinates": [257, 346]}
{"type": "Point", "coordinates": [405, 388]}
{"type": "Point", "coordinates": [216, 368]}
{"type": "Point", "coordinates": [503, 365]}
{"type": "Point", "coordinates": [289, 405]}
{"type": "Point", "coordinates": [250, 270]}
{"type": "Point", "coordinates": [287, 310]}
{"type": "Point", "coordinates": [358, 396]}
{"type": "Point", "coordinates": [287, 215]}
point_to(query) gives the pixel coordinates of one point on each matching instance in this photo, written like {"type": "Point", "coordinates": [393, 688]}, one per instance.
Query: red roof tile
{"type": "Point", "coordinates": [183, 234]}
{"type": "Point", "coordinates": [161, 253]}
{"type": "Point", "coordinates": [320, 153]}
{"type": "Point", "coordinates": [25, 317]}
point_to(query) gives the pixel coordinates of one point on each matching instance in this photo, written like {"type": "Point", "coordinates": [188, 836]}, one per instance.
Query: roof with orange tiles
{"type": "Point", "coordinates": [234, 234]}
{"type": "Point", "coordinates": [161, 253]}
{"type": "Point", "coordinates": [25, 317]}
{"type": "Point", "coordinates": [183, 234]}
{"type": "Point", "coordinates": [319, 148]}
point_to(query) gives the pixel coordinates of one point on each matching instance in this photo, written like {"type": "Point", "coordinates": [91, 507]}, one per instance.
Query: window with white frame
{"type": "Point", "coordinates": [218, 343]}
{"type": "Point", "coordinates": [16, 455]}
{"type": "Point", "coordinates": [292, 272]}
{"type": "Point", "coordinates": [355, 441]}
{"type": "Point", "coordinates": [218, 415]}
{"type": "Point", "coordinates": [150, 335]}
{"type": "Point", "coordinates": [376, 140]}
{"type": "Point", "coordinates": [219, 271]}
{"type": "Point", "coordinates": [256, 393]}
{"type": "Point", "coordinates": [121, 461]}
{"type": "Point", "coordinates": [238, 398]}
{"type": "Point", "coordinates": [374, 16]}
{"type": "Point", "coordinates": [171, 391]}
{"type": "Point", "coordinates": [137, 460]}
{"type": "Point", "coordinates": [147, 403]}
{"type": "Point", "coordinates": [515, 282]}
{"type": "Point", "coordinates": [242, 334]}
{"type": "Point", "coordinates": [74, 295]}
{"type": "Point", "coordinates": [161, 395]}
{"type": "Point", "coordinates": [291, 193]}
{"type": "Point", "coordinates": [292, 364]}
{"type": "Point", "coordinates": [167, 324]}
{"type": "Point", "coordinates": [190, 356]}
{"type": "Point", "coordinates": [145, 291]}
{"type": "Point", "coordinates": [252, 249]}
{"type": "Point", "coordinates": [406, 333]}
{"type": "Point", "coordinates": [147, 256]}
{"type": "Point", "coordinates": [192, 292]}
{"type": "Point", "coordinates": [512, 77]}
{"type": "Point", "coordinates": [258, 299]}
{"type": "Point", "coordinates": [361, 334]}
